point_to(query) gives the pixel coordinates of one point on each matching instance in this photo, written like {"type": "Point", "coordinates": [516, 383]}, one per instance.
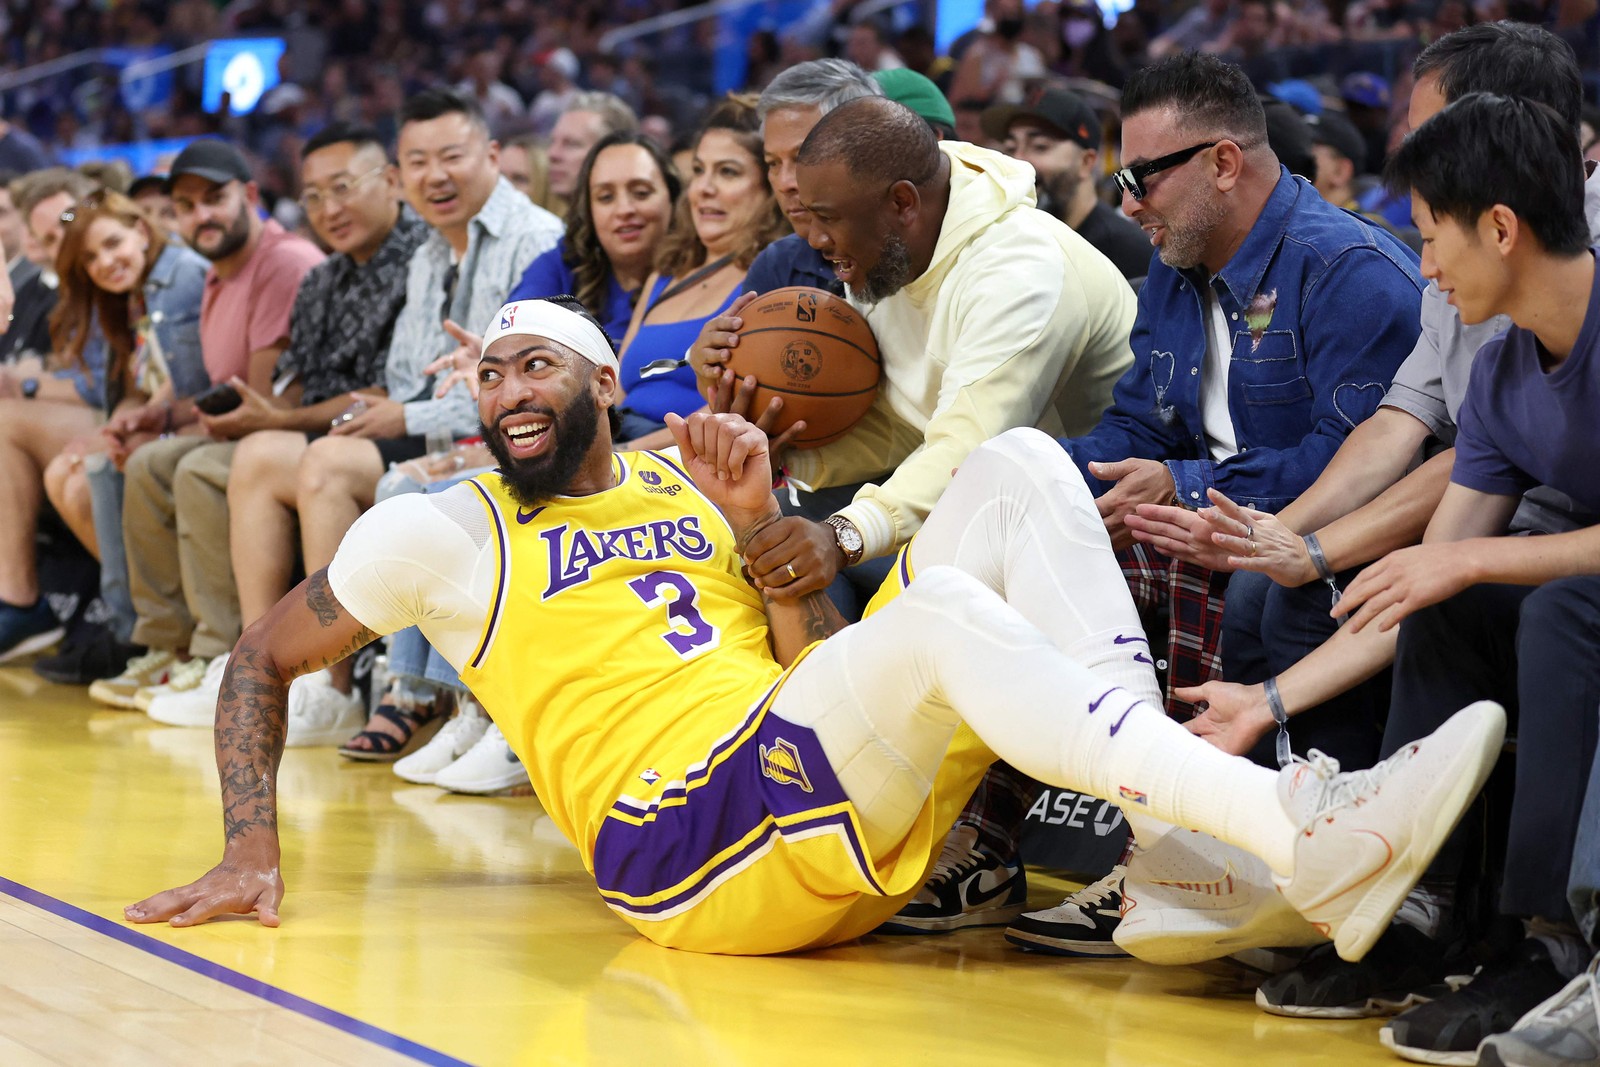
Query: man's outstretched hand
{"type": "Point", "coordinates": [229, 888]}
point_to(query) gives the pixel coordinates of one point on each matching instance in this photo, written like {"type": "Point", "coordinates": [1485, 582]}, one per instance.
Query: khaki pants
{"type": "Point", "coordinates": [175, 527]}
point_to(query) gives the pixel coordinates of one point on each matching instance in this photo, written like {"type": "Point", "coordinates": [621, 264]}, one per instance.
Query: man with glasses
{"type": "Point", "coordinates": [482, 234]}
{"type": "Point", "coordinates": [1269, 326]}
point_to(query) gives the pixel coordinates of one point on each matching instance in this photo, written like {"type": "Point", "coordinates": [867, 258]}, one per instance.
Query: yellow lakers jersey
{"type": "Point", "coordinates": [623, 639]}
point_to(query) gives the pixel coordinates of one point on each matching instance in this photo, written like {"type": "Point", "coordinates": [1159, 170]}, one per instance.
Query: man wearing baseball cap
{"type": "Point", "coordinates": [1059, 134]}
{"type": "Point", "coordinates": [182, 587]}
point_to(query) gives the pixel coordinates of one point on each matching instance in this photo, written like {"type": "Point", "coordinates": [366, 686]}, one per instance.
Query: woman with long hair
{"type": "Point", "coordinates": [126, 286]}
{"type": "Point", "coordinates": [727, 216]}
{"type": "Point", "coordinates": [627, 190]}
{"type": "Point", "coordinates": [123, 274]}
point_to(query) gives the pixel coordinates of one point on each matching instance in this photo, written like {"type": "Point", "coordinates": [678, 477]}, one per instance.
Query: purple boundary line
{"type": "Point", "coordinates": [228, 977]}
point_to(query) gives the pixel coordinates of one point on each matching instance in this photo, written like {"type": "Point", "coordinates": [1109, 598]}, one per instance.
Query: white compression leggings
{"type": "Point", "coordinates": [1019, 623]}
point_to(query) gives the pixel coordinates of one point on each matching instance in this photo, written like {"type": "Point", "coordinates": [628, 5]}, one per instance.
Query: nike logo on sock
{"type": "Point", "coordinates": [1098, 700]}
{"type": "Point", "coordinates": [1124, 639]}
{"type": "Point", "coordinates": [1118, 724]}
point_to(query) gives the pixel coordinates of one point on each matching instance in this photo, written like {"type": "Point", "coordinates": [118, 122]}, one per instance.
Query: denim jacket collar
{"type": "Point", "coordinates": [165, 269]}
{"type": "Point", "coordinates": [1242, 274]}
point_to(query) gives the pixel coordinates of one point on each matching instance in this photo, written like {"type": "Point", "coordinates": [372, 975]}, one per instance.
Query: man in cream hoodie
{"type": "Point", "coordinates": [989, 315]}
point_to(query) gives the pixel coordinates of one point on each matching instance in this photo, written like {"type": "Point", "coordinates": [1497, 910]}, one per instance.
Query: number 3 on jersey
{"type": "Point", "coordinates": [691, 633]}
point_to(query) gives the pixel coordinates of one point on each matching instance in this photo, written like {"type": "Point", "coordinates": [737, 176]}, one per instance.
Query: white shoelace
{"type": "Point", "coordinates": [952, 866]}
{"type": "Point", "coordinates": [1097, 892]}
{"type": "Point", "coordinates": [1584, 999]}
{"type": "Point", "coordinates": [139, 664]}
{"type": "Point", "coordinates": [1340, 789]}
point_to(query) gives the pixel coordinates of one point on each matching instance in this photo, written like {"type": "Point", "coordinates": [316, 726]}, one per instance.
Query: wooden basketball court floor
{"type": "Point", "coordinates": [435, 929]}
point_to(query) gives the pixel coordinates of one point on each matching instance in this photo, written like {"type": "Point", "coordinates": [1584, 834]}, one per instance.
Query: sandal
{"type": "Point", "coordinates": [414, 724]}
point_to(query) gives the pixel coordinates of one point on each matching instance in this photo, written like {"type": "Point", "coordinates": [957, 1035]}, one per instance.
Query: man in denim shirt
{"type": "Point", "coordinates": [1270, 325]}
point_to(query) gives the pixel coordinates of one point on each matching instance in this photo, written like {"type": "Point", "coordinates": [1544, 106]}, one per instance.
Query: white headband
{"type": "Point", "coordinates": [541, 318]}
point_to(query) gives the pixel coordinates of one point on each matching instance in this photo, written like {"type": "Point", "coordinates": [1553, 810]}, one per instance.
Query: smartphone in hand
{"type": "Point", "coordinates": [219, 399]}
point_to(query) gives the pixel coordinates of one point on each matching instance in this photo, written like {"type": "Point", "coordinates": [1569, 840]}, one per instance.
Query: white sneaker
{"type": "Point", "coordinates": [488, 767]}
{"type": "Point", "coordinates": [454, 740]}
{"type": "Point", "coordinates": [142, 672]}
{"type": "Point", "coordinates": [1190, 897]}
{"type": "Point", "coordinates": [196, 706]}
{"type": "Point", "coordinates": [1366, 836]}
{"type": "Point", "coordinates": [181, 677]}
{"type": "Point", "coordinates": [321, 715]}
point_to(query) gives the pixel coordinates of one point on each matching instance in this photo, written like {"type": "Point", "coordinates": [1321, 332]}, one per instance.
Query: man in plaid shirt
{"type": "Point", "coordinates": [1269, 326]}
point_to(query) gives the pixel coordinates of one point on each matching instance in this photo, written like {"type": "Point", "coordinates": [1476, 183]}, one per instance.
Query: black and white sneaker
{"type": "Point", "coordinates": [971, 889]}
{"type": "Point", "coordinates": [1448, 1030]}
{"type": "Point", "coordinates": [1405, 968]}
{"type": "Point", "coordinates": [1081, 925]}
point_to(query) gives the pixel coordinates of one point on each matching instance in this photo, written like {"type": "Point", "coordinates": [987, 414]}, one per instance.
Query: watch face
{"type": "Point", "coordinates": [849, 538]}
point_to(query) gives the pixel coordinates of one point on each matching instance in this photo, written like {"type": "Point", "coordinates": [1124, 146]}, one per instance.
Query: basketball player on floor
{"type": "Point", "coordinates": [597, 604]}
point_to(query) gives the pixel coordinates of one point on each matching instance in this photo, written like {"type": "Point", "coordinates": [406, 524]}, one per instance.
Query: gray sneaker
{"type": "Point", "coordinates": [1564, 1031]}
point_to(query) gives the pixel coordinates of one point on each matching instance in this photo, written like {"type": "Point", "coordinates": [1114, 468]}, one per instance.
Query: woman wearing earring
{"type": "Point", "coordinates": [724, 219]}
{"type": "Point", "coordinates": [144, 290]}
{"type": "Point", "coordinates": [125, 276]}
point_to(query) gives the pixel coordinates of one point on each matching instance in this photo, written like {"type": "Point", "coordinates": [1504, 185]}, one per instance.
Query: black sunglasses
{"type": "Point", "coordinates": [1131, 179]}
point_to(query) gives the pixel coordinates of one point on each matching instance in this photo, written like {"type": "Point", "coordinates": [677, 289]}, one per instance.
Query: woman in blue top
{"type": "Point", "coordinates": [727, 216]}
{"type": "Point", "coordinates": [144, 290]}
{"type": "Point", "coordinates": [626, 192]}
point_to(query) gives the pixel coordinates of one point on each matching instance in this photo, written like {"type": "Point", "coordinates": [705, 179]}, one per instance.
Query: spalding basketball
{"type": "Point", "coordinates": [815, 351]}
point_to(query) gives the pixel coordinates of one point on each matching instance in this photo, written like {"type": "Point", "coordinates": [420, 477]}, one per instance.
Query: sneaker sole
{"type": "Point", "coordinates": [29, 645]}
{"type": "Point", "coordinates": [173, 720]}
{"type": "Point", "coordinates": [1372, 1008]}
{"type": "Point", "coordinates": [1162, 938]}
{"type": "Point", "coordinates": [126, 701]}
{"type": "Point", "coordinates": [337, 734]}
{"type": "Point", "coordinates": [1438, 812]}
{"type": "Point", "coordinates": [520, 788]}
{"type": "Point", "coordinates": [1427, 1055]}
{"type": "Point", "coordinates": [987, 917]}
{"type": "Point", "coordinates": [1056, 946]}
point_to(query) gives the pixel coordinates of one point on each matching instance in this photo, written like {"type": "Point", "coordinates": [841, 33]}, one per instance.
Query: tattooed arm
{"type": "Point", "coordinates": [730, 461]}
{"type": "Point", "coordinates": [794, 624]}
{"type": "Point", "coordinates": [306, 631]}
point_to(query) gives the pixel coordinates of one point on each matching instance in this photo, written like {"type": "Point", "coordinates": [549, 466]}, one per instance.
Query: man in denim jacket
{"type": "Point", "coordinates": [1270, 325]}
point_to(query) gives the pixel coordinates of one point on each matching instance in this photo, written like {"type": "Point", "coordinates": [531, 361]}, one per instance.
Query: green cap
{"type": "Point", "coordinates": [918, 93]}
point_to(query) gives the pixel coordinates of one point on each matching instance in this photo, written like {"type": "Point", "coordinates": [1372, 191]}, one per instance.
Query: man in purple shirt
{"type": "Point", "coordinates": [1497, 193]}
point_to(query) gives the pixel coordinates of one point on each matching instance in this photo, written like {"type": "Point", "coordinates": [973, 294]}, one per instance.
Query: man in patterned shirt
{"type": "Point", "coordinates": [339, 329]}
{"type": "Point", "coordinates": [483, 236]}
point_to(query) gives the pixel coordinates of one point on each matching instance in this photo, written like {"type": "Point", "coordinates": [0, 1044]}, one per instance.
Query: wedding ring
{"type": "Point", "coordinates": [790, 568]}
{"type": "Point", "coordinates": [1249, 532]}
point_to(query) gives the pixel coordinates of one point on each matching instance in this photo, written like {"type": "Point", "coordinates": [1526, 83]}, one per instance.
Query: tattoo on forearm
{"type": "Point", "coordinates": [320, 599]}
{"type": "Point", "coordinates": [252, 718]}
{"type": "Point", "coordinates": [821, 618]}
{"type": "Point", "coordinates": [251, 724]}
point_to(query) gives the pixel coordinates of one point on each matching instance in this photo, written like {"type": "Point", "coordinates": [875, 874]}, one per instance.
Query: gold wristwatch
{"type": "Point", "coordinates": [848, 538]}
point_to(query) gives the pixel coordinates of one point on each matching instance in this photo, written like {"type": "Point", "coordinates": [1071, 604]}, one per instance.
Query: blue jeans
{"type": "Point", "coordinates": [105, 499]}
{"type": "Point", "coordinates": [1267, 628]}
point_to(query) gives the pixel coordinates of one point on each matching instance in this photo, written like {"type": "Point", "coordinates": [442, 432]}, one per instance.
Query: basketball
{"type": "Point", "coordinates": [816, 352]}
